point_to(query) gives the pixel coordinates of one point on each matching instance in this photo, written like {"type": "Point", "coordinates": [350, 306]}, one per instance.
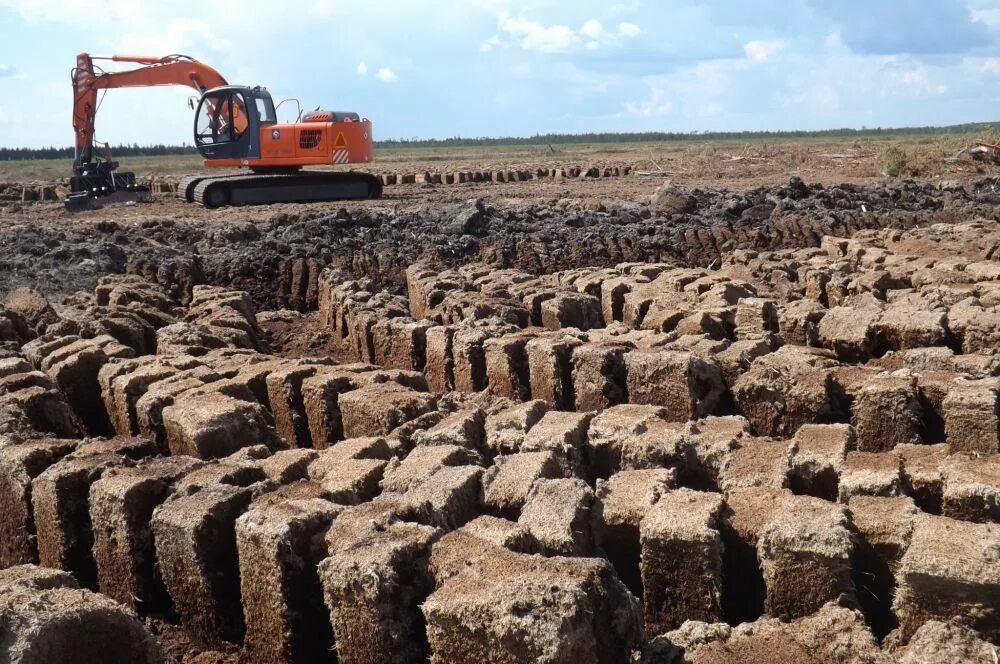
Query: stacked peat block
{"type": "Point", "coordinates": [804, 547]}
{"type": "Point", "coordinates": [374, 580]}
{"type": "Point", "coordinates": [60, 498]}
{"type": "Point", "coordinates": [45, 616]}
{"type": "Point", "coordinates": [682, 560]}
{"type": "Point", "coordinates": [493, 604]}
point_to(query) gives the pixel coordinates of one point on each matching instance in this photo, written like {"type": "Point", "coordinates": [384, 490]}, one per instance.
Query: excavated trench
{"type": "Point", "coordinates": [545, 433]}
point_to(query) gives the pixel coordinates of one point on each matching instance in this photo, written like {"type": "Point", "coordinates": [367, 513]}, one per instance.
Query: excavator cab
{"type": "Point", "coordinates": [228, 122]}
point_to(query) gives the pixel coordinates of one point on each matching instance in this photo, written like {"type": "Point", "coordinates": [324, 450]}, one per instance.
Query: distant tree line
{"type": "Point", "coordinates": [135, 150]}
{"type": "Point", "coordinates": [670, 137]}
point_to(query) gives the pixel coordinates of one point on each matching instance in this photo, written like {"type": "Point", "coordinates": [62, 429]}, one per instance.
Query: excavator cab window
{"type": "Point", "coordinates": [222, 117]}
{"type": "Point", "coordinates": [265, 108]}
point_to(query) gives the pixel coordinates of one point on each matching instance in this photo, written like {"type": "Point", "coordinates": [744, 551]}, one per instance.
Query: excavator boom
{"type": "Point", "coordinates": [170, 70]}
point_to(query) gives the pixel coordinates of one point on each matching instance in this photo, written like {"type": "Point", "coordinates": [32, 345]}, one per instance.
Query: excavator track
{"type": "Point", "coordinates": [302, 187]}
{"type": "Point", "coordinates": [185, 188]}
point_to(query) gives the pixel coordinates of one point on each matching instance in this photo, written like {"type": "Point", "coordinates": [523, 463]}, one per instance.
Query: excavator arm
{"type": "Point", "coordinates": [169, 70]}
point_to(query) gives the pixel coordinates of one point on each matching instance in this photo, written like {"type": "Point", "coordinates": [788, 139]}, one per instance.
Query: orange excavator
{"type": "Point", "coordinates": [235, 127]}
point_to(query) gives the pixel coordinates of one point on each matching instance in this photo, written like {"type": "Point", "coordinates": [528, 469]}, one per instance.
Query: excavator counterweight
{"type": "Point", "coordinates": [235, 127]}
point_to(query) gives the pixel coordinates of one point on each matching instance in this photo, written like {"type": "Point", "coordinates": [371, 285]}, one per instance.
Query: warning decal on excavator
{"type": "Point", "coordinates": [341, 143]}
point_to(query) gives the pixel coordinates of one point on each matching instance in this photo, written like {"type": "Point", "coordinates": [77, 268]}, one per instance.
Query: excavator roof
{"type": "Point", "coordinates": [255, 90]}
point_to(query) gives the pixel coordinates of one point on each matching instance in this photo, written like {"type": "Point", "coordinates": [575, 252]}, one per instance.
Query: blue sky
{"type": "Point", "coordinates": [439, 68]}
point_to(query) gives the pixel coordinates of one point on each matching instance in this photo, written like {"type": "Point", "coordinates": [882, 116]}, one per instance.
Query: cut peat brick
{"type": "Point", "coordinates": [710, 443]}
{"type": "Point", "coordinates": [374, 582]}
{"type": "Point", "coordinates": [507, 366]}
{"type": "Point", "coordinates": [622, 502]}
{"type": "Point", "coordinates": [870, 474]}
{"type": "Point", "coordinates": [401, 343]}
{"type": "Point", "coordinates": [757, 462]}
{"type": "Point", "coordinates": [280, 544]}
{"type": "Point", "coordinates": [121, 507]}
{"type": "Point", "coordinates": [663, 445]}
{"type": "Point", "coordinates": [971, 417]}
{"type": "Point", "coordinates": [884, 527]}
{"type": "Point", "coordinates": [465, 428]}
{"type": "Point", "coordinates": [286, 466]}
{"type": "Point", "coordinates": [61, 498]}
{"type": "Point", "coordinates": [284, 391]}
{"type": "Point", "coordinates": [506, 430]}
{"type": "Point", "coordinates": [565, 434]}
{"type": "Point", "coordinates": [687, 385]}
{"type": "Point", "coordinates": [951, 569]}
{"type": "Point", "coordinates": [76, 376]}
{"type": "Point", "coordinates": [805, 554]}
{"type": "Point", "coordinates": [439, 367]}
{"type": "Point", "coordinates": [502, 606]}
{"type": "Point", "coordinates": [195, 539]}
{"type": "Point", "coordinates": [45, 410]}
{"type": "Point", "coordinates": [923, 478]}
{"type": "Point", "coordinates": [469, 358]}
{"type": "Point", "coordinates": [599, 378]}
{"type": "Point", "coordinates": [609, 431]}
{"type": "Point", "coordinates": [887, 413]}
{"type": "Point", "coordinates": [423, 462]}
{"type": "Point", "coordinates": [507, 483]}
{"type": "Point", "coordinates": [351, 471]}
{"type": "Point", "coordinates": [47, 619]}
{"type": "Point", "coordinates": [375, 410]}
{"type": "Point", "coordinates": [819, 453]}
{"type": "Point", "coordinates": [972, 488]}
{"type": "Point", "coordinates": [786, 389]}
{"type": "Point", "coordinates": [19, 466]}
{"type": "Point", "coordinates": [682, 560]}
{"type": "Point", "coordinates": [550, 368]}
{"type": "Point", "coordinates": [214, 426]}
{"type": "Point", "coordinates": [832, 634]}
{"type": "Point", "coordinates": [945, 641]}
{"type": "Point", "coordinates": [447, 499]}
{"type": "Point", "coordinates": [321, 404]}
{"type": "Point", "coordinates": [575, 310]}
{"type": "Point", "coordinates": [558, 514]}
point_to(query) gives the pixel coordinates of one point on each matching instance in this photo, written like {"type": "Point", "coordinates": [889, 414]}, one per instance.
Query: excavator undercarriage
{"type": "Point", "coordinates": [213, 191]}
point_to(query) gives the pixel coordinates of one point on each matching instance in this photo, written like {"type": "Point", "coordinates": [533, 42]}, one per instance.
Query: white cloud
{"type": "Point", "coordinates": [532, 35]}
{"type": "Point", "coordinates": [363, 68]}
{"type": "Point", "coordinates": [761, 51]}
{"type": "Point", "coordinates": [990, 66]}
{"type": "Point", "coordinates": [988, 17]}
{"type": "Point", "coordinates": [6, 70]}
{"type": "Point", "coordinates": [595, 31]}
{"type": "Point", "coordinates": [76, 11]}
{"type": "Point", "coordinates": [386, 75]}
{"type": "Point", "coordinates": [915, 82]}
{"type": "Point", "coordinates": [492, 43]}
{"type": "Point", "coordinates": [629, 30]}
{"type": "Point", "coordinates": [592, 29]}
{"type": "Point", "coordinates": [322, 7]}
{"type": "Point", "coordinates": [179, 35]}
{"type": "Point", "coordinates": [656, 106]}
